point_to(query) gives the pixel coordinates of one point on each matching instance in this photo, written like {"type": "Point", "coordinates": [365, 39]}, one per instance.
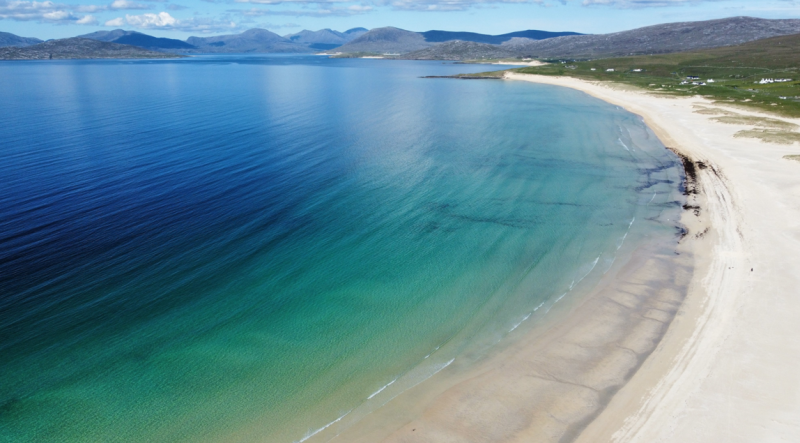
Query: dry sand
{"type": "Point", "coordinates": [693, 347]}
{"type": "Point", "coordinates": [728, 369]}
{"type": "Point", "coordinates": [523, 62]}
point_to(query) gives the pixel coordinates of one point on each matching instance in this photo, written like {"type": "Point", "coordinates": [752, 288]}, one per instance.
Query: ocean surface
{"type": "Point", "coordinates": [268, 248]}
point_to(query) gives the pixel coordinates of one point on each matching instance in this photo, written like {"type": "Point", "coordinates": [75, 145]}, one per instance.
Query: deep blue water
{"type": "Point", "coordinates": [249, 247]}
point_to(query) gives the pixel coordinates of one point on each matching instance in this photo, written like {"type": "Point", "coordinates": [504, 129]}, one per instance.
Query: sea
{"type": "Point", "coordinates": [271, 247]}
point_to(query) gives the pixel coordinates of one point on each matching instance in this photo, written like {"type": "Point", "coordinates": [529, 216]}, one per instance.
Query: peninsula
{"type": "Point", "coordinates": [78, 48]}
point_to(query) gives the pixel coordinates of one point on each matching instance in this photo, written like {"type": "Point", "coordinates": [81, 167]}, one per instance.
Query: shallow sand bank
{"type": "Point", "coordinates": [548, 383]}
{"type": "Point", "coordinates": [727, 368]}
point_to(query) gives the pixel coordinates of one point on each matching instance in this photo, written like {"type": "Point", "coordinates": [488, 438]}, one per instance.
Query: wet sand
{"type": "Point", "coordinates": [726, 369]}
{"type": "Point", "coordinates": [694, 342]}
{"type": "Point", "coordinates": [554, 380]}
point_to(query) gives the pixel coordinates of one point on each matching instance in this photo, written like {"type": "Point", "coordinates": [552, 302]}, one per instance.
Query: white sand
{"type": "Point", "coordinates": [522, 63]}
{"type": "Point", "coordinates": [728, 369]}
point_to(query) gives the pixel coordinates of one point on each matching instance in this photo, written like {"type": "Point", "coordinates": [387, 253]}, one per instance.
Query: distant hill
{"type": "Point", "coordinates": [658, 39]}
{"type": "Point", "coordinates": [355, 32]}
{"type": "Point", "coordinates": [325, 38]}
{"type": "Point", "coordinates": [8, 39]}
{"type": "Point", "coordinates": [106, 36]}
{"type": "Point", "coordinates": [138, 39]}
{"type": "Point", "coordinates": [400, 41]}
{"type": "Point", "coordinates": [387, 40]}
{"type": "Point", "coordinates": [250, 41]}
{"type": "Point", "coordinates": [78, 48]}
{"type": "Point", "coordinates": [443, 36]}
{"type": "Point", "coordinates": [459, 50]}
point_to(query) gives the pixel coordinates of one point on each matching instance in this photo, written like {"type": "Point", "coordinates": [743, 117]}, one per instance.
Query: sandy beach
{"type": "Point", "coordinates": [727, 368]}
{"type": "Point", "coordinates": [687, 343]}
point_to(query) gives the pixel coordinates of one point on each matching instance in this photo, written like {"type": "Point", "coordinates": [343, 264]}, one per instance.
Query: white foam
{"type": "Point", "coordinates": [381, 389]}
{"type": "Point", "coordinates": [626, 233]}
{"type": "Point", "coordinates": [520, 322]}
{"type": "Point", "coordinates": [623, 144]}
{"type": "Point", "coordinates": [323, 428]}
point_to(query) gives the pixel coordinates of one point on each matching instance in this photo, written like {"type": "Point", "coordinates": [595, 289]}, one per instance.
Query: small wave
{"type": "Point", "coordinates": [381, 389]}
{"type": "Point", "coordinates": [623, 144]}
{"type": "Point", "coordinates": [520, 322]}
{"type": "Point", "coordinates": [323, 428]}
{"type": "Point", "coordinates": [626, 233]}
{"type": "Point", "coordinates": [537, 308]}
{"type": "Point", "coordinates": [559, 298]}
{"type": "Point", "coordinates": [651, 200]}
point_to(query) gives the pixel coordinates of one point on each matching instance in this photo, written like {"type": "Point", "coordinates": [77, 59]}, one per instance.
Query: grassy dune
{"type": "Point", "coordinates": [736, 71]}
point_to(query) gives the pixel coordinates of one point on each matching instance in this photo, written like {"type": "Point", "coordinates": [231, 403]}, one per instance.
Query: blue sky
{"type": "Point", "coordinates": [182, 18]}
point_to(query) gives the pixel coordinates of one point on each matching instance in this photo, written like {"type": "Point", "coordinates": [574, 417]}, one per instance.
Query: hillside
{"type": "Point", "coordinates": [325, 38]}
{"type": "Point", "coordinates": [138, 39]}
{"type": "Point", "coordinates": [658, 39]}
{"type": "Point", "coordinates": [8, 39]}
{"type": "Point", "coordinates": [459, 50]}
{"type": "Point", "coordinates": [250, 41]}
{"type": "Point", "coordinates": [399, 41]}
{"type": "Point", "coordinates": [78, 48]}
{"type": "Point", "coordinates": [444, 36]}
{"type": "Point", "coordinates": [736, 72]}
{"type": "Point", "coordinates": [386, 41]}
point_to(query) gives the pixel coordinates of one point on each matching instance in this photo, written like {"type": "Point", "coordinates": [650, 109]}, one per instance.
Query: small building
{"type": "Point", "coordinates": [711, 80]}
{"type": "Point", "coordinates": [610, 70]}
{"type": "Point", "coordinates": [637, 70]}
{"type": "Point", "coordinates": [594, 69]}
{"type": "Point", "coordinates": [692, 77]}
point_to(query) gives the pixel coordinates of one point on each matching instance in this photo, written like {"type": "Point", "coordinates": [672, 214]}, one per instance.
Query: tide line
{"type": "Point", "coordinates": [381, 389]}
{"type": "Point", "coordinates": [324, 427]}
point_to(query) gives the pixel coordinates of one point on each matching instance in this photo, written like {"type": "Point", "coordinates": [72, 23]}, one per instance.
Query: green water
{"type": "Point", "coordinates": [250, 249]}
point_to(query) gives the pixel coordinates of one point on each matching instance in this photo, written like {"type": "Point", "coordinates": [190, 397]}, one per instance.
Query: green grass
{"type": "Point", "coordinates": [735, 70]}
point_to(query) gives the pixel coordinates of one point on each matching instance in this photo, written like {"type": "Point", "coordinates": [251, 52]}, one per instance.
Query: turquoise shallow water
{"type": "Point", "coordinates": [248, 248]}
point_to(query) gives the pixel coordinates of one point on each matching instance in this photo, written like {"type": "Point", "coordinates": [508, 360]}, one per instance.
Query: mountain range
{"type": "Point", "coordinates": [325, 38]}
{"type": "Point", "coordinates": [77, 48]}
{"type": "Point", "coordinates": [8, 39]}
{"type": "Point", "coordinates": [381, 40]}
{"type": "Point", "coordinates": [658, 39]}
{"type": "Point", "coordinates": [449, 45]}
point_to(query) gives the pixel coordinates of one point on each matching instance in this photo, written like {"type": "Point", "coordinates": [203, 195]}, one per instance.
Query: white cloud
{"type": "Point", "coordinates": [629, 4]}
{"type": "Point", "coordinates": [450, 5]}
{"type": "Point", "coordinates": [126, 4]}
{"type": "Point", "coordinates": [44, 12]}
{"type": "Point", "coordinates": [164, 21]}
{"type": "Point", "coordinates": [160, 20]}
{"type": "Point", "coordinates": [319, 12]}
{"type": "Point", "coordinates": [87, 20]}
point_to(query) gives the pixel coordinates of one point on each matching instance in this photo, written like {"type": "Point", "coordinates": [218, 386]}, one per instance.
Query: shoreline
{"type": "Point", "coordinates": [678, 344]}
{"type": "Point", "coordinates": [561, 372]}
{"type": "Point", "coordinates": [726, 368]}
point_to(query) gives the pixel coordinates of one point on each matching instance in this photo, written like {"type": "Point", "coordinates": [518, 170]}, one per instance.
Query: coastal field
{"type": "Point", "coordinates": [731, 74]}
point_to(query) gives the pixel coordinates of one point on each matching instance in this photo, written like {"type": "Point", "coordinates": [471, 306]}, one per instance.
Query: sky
{"type": "Point", "coordinates": [183, 18]}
